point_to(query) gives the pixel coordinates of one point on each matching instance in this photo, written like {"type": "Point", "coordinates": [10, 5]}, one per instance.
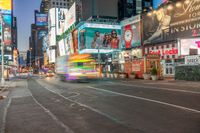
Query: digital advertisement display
{"type": "Point", "coordinates": [131, 35]}
{"type": "Point", "coordinates": [5, 6]}
{"type": "Point", "coordinates": [169, 23]}
{"type": "Point", "coordinates": [99, 36]}
{"type": "Point", "coordinates": [41, 19]}
{"type": "Point", "coordinates": [68, 41]}
{"type": "Point", "coordinates": [157, 3]}
{"type": "Point", "coordinates": [6, 17]}
{"type": "Point", "coordinates": [189, 46]}
{"type": "Point", "coordinates": [7, 38]}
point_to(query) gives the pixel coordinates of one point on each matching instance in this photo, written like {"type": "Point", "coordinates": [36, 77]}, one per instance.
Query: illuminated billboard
{"type": "Point", "coordinates": [131, 35]}
{"type": "Point", "coordinates": [7, 38]}
{"type": "Point", "coordinates": [41, 19]}
{"type": "Point", "coordinates": [157, 3]}
{"type": "Point", "coordinates": [177, 20]}
{"type": "Point", "coordinates": [5, 6]}
{"type": "Point", "coordinates": [6, 17]}
{"type": "Point", "coordinates": [105, 37]}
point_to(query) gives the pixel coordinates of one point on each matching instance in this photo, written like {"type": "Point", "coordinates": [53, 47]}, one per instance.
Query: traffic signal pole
{"type": "Point", "coordinates": [2, 54]}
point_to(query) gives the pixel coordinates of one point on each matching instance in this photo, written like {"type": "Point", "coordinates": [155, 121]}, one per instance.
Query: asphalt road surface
{"type": "Point", "coordinates": [105, 106]}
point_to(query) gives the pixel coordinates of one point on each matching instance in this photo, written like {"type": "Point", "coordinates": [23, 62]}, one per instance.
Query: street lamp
{"type": "Point", "coordinates": [2, 51]}
{"type": "Point", "coordinates": [30, 56]}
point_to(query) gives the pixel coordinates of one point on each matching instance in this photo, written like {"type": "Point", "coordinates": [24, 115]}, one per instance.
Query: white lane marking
{"type": "Point", "coordinates": [76, 94]}
{"type": "Point", "coordinates": [60, 123]}
{"type": "Point", "coordinates": [5, 115]}
{"type": "Point", "coordinates": [146, 99]}
{"type": "Point", "coordinates": [157, 88]}
{"type": "Point", "coordinates": [85, 106]}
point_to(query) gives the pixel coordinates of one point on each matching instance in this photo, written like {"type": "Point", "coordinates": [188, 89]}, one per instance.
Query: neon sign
{"type": "Point", "coordinates": [164, 51]}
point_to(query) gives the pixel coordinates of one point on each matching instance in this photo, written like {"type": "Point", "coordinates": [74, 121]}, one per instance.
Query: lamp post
{"type": "Point", "coordinates": [30, 56]}
{"type": "Point", "coordinates": [2, 52]}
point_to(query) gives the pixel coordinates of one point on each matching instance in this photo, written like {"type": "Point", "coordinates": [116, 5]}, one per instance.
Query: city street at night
{"type": "Point", "coordinates": [99, 66]}
{"type": "Point", "coordinates": [102, 106]}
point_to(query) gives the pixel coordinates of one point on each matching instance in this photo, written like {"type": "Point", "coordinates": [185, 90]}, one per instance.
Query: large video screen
{"type": "Point", "coordinates": [6, 17]}
{"type": "Point", "coordinates": [41, 19]}
{"type": "Point", "coordinates": [99, 36]}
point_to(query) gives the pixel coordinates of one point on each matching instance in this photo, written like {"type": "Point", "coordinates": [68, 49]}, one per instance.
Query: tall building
{"type": "Point", "coordinates": [128, 8]}
{"type": "Point", "coordinates": [60, 3]}
{"type": "Point", "coordinates": [44, 6]}
{"type": "Point", "coordinates": [99, 8]}
{"type": "Point", "coordinates": [14, 32]}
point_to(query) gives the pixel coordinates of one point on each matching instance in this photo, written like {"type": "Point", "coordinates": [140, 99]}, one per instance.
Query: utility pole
{"type": "Point", "coordinates": [2, 52]}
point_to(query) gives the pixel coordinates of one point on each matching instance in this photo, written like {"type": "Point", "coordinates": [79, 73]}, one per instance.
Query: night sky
{"type": "Point", "coordinates": [24, 11]}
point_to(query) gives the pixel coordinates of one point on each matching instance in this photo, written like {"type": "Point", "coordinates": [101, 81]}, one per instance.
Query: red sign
{"type": "Point", "coordinates": [165, 52]}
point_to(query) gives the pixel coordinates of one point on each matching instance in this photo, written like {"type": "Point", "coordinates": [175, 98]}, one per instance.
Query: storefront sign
{"type": "Point", "coordinates": [169, 23]}
{"type": "Point", "coordinates": [164, 51]}
{"type": "Point", "coordinates": [136, 67]}
{"type": "Point", "coordinates": [192, 60]}
{"type": "Point", "coordinates": [153, 56]}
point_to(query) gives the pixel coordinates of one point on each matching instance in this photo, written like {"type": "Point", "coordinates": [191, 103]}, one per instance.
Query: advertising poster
{"type": "Point", "coordinates": [52, 37]}
{"type": "Point", "coordinates": [70, 17]}
{"type": "Point", "coordinates": [7, 29]}
{"type": "Point", "coordinates": [78, 10]}
{"type": "Point", "coordinates": [190, 46]}
{"type": "Point", "coordinates": [61, 20]}
{"type": "Point", "coordinates": [169, 23]}
{"type": "Point", "coordinates": [131, 35]}
{"type": "Point", "coordinates": [41, 19]}
{"type": "Point", "coordinates": [99, 36]}
{"type": "Point", "coordinates": [62, 49]}
{"type": "Point", "coordinates": [41, 34]}
{"type": "Point", "coordinates": [52, 56]}
{"type": "Point", "coordinates": [75, 41]}
{"type": "Point", "coordinates": [52, 17]}
{"type": "Point", "coordinates": [68, 41]}
{"type": "Point", "coordinates": [5, 17]}
{"type": "Point", "coordinates": [157, 3]}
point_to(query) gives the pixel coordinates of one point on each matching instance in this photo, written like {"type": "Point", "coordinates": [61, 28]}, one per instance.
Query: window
{"type": "Point", "coordinates": [57, 3]}
{"type": "Point", "coordinates": [61, 4]}
{"type": "Point", "coordinates": [130, 1]}
{"type": "Point", "coordinates": [53, 3]}
{"type": "Point", "coordinates": [64, 4]}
